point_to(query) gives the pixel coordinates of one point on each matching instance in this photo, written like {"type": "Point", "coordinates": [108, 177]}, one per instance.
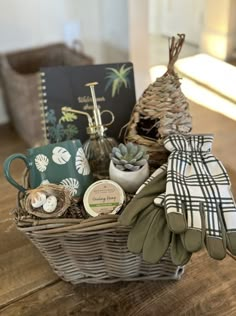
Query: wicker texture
{"type": "Point", "coordinates": [20, 81]}
{"type": "Point", "coordinates": [162, 110]}
{"type": "Point", "coordinates": [91, 250]}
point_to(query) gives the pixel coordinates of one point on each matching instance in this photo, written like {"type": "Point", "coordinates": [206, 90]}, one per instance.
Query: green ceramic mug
{"type": "Point", "coordinates": [60, 163]}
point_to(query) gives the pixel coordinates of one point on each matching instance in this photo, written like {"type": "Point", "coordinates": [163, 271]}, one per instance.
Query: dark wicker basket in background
{"type": "Point", "coordinates": [20, 81]}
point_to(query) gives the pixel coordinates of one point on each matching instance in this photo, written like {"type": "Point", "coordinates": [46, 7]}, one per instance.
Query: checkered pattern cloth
{"type": "Point", "coordinates": [199, 202]}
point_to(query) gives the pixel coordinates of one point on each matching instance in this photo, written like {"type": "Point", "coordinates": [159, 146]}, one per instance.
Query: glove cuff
{"type": "Point", "coordinates": [199, 143]}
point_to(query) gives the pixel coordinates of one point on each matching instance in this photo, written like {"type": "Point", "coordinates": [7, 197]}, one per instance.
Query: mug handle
{"type": "Point", "coordinates": [6, 168]}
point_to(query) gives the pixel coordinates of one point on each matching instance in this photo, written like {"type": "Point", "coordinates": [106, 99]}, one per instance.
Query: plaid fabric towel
{"type": "Point", "coordinates": [199, 201]}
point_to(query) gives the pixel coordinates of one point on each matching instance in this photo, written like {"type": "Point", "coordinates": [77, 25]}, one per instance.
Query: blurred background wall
{"type": "Point", "coordinates": [101, 25]}
{"type": "Point", "coordinates": [27, 23]}
{"type": "Point", "coordinates": [119, 30]}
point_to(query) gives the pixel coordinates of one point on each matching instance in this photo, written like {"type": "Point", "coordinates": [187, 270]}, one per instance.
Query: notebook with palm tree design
{"type": "Point", "coordinates": [64, 86]}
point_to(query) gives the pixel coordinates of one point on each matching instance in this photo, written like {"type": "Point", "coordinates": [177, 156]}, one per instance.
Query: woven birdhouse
{"type": "Point", "coordinates": [161, 110]}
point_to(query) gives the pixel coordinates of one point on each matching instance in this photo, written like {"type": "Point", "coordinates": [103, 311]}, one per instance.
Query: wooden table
{"type": "Point", "coordinates": [28, 286]}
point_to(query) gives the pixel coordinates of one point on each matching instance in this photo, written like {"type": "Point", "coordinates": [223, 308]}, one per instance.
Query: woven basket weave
{"type": "Point", "coordinates": [92, 250]}
{"type": "Point", "coordinates": [19, 78]}
{"type": "Point", "coordinates": [161, 110]}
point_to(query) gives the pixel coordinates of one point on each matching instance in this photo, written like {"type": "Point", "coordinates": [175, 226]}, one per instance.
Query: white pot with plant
{"type": "Point", "coordinates": [129, 166]}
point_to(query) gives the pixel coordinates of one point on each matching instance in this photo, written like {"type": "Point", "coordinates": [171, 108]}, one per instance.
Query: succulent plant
{"type": "Point", "coordinates": [129, 157]}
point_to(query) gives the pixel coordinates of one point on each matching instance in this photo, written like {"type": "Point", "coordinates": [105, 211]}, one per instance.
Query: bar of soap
{"type": "Point", "coordinates": [103, 197]}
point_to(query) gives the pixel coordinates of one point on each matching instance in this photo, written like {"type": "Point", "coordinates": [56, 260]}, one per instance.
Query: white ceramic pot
{"type": "Point", "coordinates": [130, 181]}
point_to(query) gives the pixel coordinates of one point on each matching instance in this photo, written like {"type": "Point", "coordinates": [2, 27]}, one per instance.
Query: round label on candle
{"type": "Point", "coordinates": [103, 197]}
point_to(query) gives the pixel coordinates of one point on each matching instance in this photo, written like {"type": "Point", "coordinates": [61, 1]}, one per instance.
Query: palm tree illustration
{"type": "Point", "coordinates": [117, 78]}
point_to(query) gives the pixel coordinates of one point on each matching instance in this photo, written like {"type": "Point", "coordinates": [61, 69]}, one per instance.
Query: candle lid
{"type": "Point", "coordinates": [103, 197]}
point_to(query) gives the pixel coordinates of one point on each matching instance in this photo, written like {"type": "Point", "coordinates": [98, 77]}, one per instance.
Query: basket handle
{"type": "Point", "coordinates": [77, 46]}
{"type": "Point", "coordinates": [7, 166]}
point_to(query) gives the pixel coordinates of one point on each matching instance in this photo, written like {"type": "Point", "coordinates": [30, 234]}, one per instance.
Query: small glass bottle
{"type": "Point", "coordinates": [98, 147]}
{"type": "Point", "coordinates": [97, 150]}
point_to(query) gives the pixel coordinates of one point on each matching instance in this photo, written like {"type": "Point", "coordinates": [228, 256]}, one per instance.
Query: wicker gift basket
{"type": "Point", "coordinates": [20, 81]}
{"type": "Point", "coordinates": [91, 250]}
{"type": "Point", "coordinates": [94, 250]}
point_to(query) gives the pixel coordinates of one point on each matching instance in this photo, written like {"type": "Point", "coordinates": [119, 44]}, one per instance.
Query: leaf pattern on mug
{"type": "Point", "coordinates": [81, 163]}
{"type": "Point", "coordinates": [60, 155]}
{"type": "Point", "coordinates": [41, 162]}
{"type": "Point", "coordinates": [71, 184]}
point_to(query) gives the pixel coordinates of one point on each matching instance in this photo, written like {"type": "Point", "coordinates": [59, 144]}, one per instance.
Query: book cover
{"type": "Point", "coordinates": [64, 86]}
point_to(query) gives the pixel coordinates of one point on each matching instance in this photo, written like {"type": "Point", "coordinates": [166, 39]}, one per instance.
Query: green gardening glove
{"type": "Point", "coordinates": [155, 185]}
{"type": "Point", "coordinates": [199, 202]}
{"type": "Point", "coordinates": [179, 255]}
{"type": "Point", "coordinates": [140, 229]}
{"type": "Point", "coordinates": [141, 211]}
{"type": "Point", "coordinates": [151, 236]}
{"type": "Point", "coordinates": [159, 238]}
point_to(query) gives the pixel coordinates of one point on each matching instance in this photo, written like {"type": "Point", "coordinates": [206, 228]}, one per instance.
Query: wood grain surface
{"type": "Point", "coordinates": [29, 287]}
